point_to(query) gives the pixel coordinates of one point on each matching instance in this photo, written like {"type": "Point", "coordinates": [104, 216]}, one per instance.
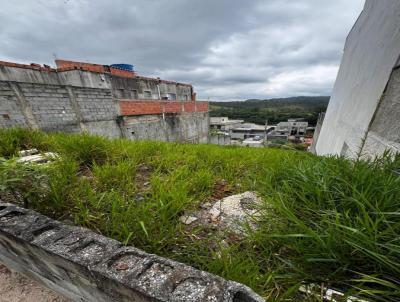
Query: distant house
{"type": "Point", "coordinates": [224, 124]}
{"type": "Point", "coordinates": [249, 130]}
{"type": "Point", "coordinates": [292, 127]}
{"type": "Point", "coordinates": [293, 130]}
{"type": "Point", "coordinates": [253, 135]}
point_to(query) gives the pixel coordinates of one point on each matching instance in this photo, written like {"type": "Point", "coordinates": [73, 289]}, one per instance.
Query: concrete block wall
{"type": "Point", "coordinates": [27, 74]}
{"type": "Point", "coordinates": [80, 78]}
{"type": "Point", "coordinates": [58, 108]}
{"type": "Point", "coordinates": [50, 106]}
{"type": "Point", "coordinates": [98, 110]}
{"type": "Point", "coordinates": [85, 266]}
{"type": "Point", "coordinates": [11, 114]}
{"type": "Point", "coordinates": [143, 88]}
{"type": "Point", "coordinates": [84, 99]}
{"type": "Point", "coordinates": [96, 104]}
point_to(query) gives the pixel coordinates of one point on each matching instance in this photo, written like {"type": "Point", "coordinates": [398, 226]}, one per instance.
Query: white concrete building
{"type": "Point", "coordinates": [224, 123]}
{"type": "Point", "coordinates": [363, 117]}
{"type": "Point", "coordinates": [292, 127]}
{"type": "Point", "coordinates": [248, 130]}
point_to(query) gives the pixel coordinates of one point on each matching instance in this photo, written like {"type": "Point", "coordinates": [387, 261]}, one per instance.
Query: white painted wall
{"type": "Point", "coordinates": [371, 52]}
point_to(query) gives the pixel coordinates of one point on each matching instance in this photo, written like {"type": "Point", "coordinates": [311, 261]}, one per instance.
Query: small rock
{"type": "Point", "coordinates": [50, 155]}
{"type": "Point", "coordinates": [327, 294]}
{"type": "Point", "coordinates": [214, 213]}
{"type": "Point", "coordinates": [188, 219]}
{"type": "Point", "coordinates": [28, 152]}
{"type": "Point", "coordinates": [205, 205]}
{"type": "Point", "coordinates": [224, 244]}
{"type": "Point", "coordinates": [230, 212]}
{"type": "Point", "coordinates": [85, 177]}
{"type": "Point", "coordinates": [38, 158]}
{"type": "Point", "coordinates": [234, 214]}
{"type": "Point", "coordinates": [139, 197]}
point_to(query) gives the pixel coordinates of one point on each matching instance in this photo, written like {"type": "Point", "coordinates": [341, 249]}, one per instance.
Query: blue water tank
{"type": "Point", "coordinates": [127, 67]}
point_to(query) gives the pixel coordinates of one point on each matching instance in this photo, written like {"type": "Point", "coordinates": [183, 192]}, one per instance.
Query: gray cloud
{"type": "Point", "coordinates": [228, 49]}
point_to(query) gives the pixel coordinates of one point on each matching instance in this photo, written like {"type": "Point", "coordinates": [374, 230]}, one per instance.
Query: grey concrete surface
{"type": "Point", "coordinates": [143, 88]}
{"type": "Point", "coordinates": [188, 126]}
{"type": "Point", "coordinates": [384, 131]}
{"type": "Point", "coordinates": [84, 266]}
{"type": "Point", "coordinates": [75, 101]}
{"type": "Point", "coordinates": [233, 214]}
{"type": "Point", "coordinates": [317, 132]}
{"type": "Point", "coordinates": [58, 108]}
{"type": "Point", "coordinates": [371, 53]}
{"type": "Point", "coordinates": [219, 139]}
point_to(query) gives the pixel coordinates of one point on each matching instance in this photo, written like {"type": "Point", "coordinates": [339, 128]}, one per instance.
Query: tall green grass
{"type": "Point", "coordinates": [326, 221]}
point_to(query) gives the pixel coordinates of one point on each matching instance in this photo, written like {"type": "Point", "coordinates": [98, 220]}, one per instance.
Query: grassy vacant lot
{"type": "Point", "coordinates": [328, 221]}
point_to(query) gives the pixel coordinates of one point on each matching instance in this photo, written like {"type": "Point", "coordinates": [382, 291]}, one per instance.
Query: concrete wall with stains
{"type": "Point", "coordinates": [151, 89]}
{"type": "Point", "coordinates": [358, 115]}
{"type": "Point", "coordinates": [187, 127]}
{"type": "Point", "coordinates": [384, 131]}
{"type": "Point", "coordinates": [80, 100]}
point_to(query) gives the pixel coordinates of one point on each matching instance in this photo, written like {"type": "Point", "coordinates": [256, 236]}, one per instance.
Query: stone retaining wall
{"type": "Point", "coordinates": [85, 266]}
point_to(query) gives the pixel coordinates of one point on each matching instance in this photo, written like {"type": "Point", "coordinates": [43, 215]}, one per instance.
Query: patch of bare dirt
{"type": "Point", "coordinates": [223, 189]}
{"type": "Point", "coordinates": [142, 180]}
{"type": "Point", "coordinates": [15, 287]}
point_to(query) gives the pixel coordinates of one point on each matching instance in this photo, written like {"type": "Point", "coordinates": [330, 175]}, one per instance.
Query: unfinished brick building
{"type": "Point", "coordinates": [100, 99]}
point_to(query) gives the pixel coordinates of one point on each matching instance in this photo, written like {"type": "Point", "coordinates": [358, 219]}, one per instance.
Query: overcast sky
{"type": "Point", "coordinates": [228, 49]}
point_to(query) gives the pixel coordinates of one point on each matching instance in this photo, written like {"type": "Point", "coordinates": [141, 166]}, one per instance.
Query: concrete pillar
{"type": "Point", "coordinates": [76, 108]}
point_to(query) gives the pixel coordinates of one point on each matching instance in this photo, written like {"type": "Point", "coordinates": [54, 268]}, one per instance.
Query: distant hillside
{"type": "Point", "coordinates": [273, 110]}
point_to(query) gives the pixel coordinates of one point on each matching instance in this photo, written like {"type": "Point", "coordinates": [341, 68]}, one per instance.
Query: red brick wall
{"type": "Point", "coordinates": [122, 73]}
{"type": "Point", "coordinates": [202, 106]}
{"type": "Point", "coordinates": [189, 106]}
{"type": "Point", "coordinates": [172, 107]}
{"type": "Point", "coordinates": [64, 65]}
{"type": "Point", "coordinates": [32, 66]}
{"type": "Point", "coordinates": [128, 107]}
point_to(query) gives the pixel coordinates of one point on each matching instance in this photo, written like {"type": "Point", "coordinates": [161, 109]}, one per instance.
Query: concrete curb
{"type": "Point", "coordinates": [85, 266]}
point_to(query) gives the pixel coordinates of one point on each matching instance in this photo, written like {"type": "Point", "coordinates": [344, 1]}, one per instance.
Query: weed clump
{"type": "Point", "coordinates": [325, 220]}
